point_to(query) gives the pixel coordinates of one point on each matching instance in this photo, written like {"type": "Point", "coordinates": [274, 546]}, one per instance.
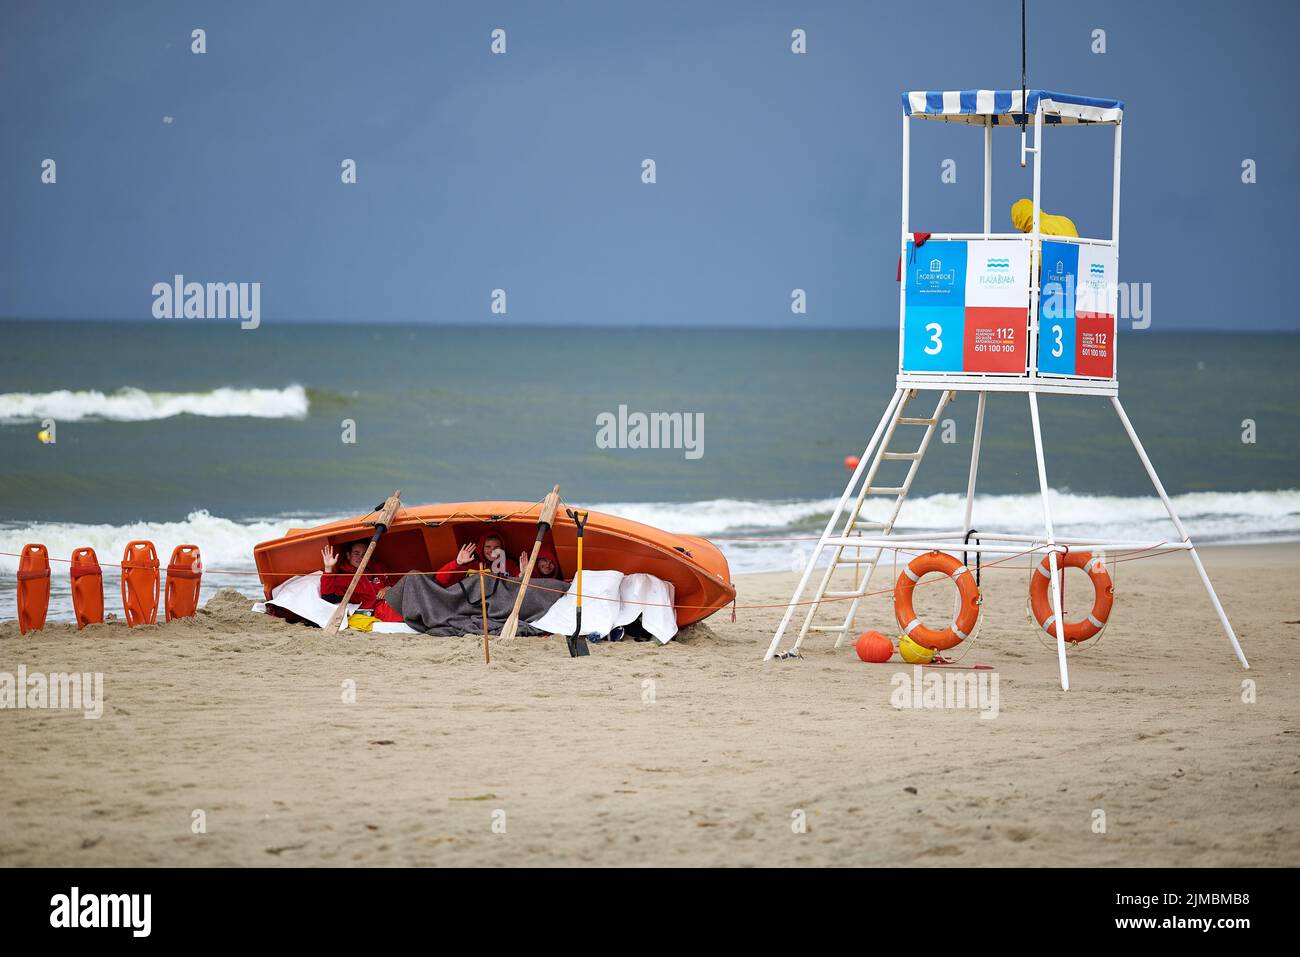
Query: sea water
{"type": "Point", "coordinates": [190, 432]}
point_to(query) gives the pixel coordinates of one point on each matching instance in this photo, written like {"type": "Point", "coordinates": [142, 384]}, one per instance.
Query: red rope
{"type": "Point", "coordinates": [1134, 555]}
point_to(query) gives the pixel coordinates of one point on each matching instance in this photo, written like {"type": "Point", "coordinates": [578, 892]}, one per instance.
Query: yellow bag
{"type": "Point", "coordinates": [360, 621]}
{"type": "Point", "coordinates": [1022, 217]}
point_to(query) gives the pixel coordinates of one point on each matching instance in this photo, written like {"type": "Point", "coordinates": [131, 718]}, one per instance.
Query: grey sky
{"type": "Point", "coordinates": [522, 171]}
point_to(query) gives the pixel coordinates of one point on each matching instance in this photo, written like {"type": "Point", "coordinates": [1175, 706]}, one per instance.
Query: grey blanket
{"type": "Point", "coordinates": [428, 607]}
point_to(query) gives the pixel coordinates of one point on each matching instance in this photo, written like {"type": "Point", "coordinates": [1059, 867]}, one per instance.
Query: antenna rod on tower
{"type": "Point", "coordinates": [1022, 64]}
{"type": "Point", "coordinates": [1024, 107]}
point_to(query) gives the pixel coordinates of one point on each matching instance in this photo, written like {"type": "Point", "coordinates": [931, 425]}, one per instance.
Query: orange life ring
{"type": "Point", "coordinates": [140, 583]}
{"type": "Point", "coordinates": [1040, 600]}
{"type": "Point", "coordinates": [968, 591]}
{"type": "Point", "coordinates": [184, 574]}
{"type": "Point", "coordinates": [33, 588]}
{"type": "Point", "coordinates": [87, 588]}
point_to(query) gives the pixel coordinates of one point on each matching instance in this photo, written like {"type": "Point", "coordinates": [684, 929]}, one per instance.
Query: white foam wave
{"type": "Point", "coordinates": [1249, 512]}
{"type": "Point", "coordinates": [716, 516]}
{"type": "Point", "coordinates": [1210, 518]}
{"type": "Point", "coordinates": [227, 545]}
{"type": "Point", "coordinates": [222, 541]}
{"type": "Point", "coordinates": [135, 405]}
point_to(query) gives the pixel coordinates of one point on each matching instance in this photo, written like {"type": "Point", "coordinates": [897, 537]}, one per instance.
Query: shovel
{"type": "Point", "coordinates": [577, 643]}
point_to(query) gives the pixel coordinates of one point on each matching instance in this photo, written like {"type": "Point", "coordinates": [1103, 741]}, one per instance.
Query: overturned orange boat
{"type": "Point", "coordinates": [424, 537]}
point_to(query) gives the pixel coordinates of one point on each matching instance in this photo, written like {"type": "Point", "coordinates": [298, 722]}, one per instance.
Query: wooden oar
{"type": "Point", "coordinates": [549, 506]}
{"type": "Point", "coordinates": [482, 599]}
{"type": "Point", "coordinates": [381, 525]}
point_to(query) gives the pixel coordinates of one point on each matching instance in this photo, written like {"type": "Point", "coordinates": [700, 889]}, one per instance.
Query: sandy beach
{"type": "Point", "coordinates": [694, 753]}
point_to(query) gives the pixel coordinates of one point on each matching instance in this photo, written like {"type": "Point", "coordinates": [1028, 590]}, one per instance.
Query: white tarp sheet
{"type": "Point", "coordinates": [301, 596]}
{"type": "Point", "coordinates": [610, 599]}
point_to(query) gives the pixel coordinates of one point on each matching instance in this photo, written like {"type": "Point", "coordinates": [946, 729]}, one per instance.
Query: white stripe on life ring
{"type": "Point", "coordinates": [958, 632]}
{"type": "Point", "coordinates": [1042, 570]}
{"type": "Point", "coordinates": [912, 624]}
{"type": "Point", "coordinates": [1047, 625]}
{"type": "Point", "coordinates": [961, 570]}
{"type": "Point", "coordinates": [911, 574]}
{"type": "Point", "coordinates": [1092, 618]}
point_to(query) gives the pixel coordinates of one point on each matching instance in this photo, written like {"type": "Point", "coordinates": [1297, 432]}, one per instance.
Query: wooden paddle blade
{"type": "Point", "coordinates": [512, 623]}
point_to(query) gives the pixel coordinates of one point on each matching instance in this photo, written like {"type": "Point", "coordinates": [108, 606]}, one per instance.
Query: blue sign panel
{"type": "Point", "coordinates": [934, 324]}
{"type": "Point", "coordinates": [1056, 318]}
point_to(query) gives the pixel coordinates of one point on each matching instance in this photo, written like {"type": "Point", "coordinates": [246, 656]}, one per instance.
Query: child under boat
{"type": "Point", "coordinates": [371, 587]}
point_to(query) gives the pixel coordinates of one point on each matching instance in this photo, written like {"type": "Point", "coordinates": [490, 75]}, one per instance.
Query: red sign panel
{"type": "Point", "coordinates": [995, 339]}
{"type": "Point", "coordinates": [1094, 348]}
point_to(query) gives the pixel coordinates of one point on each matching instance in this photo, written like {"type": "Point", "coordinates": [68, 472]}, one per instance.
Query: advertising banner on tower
{"type": "Point", "coordinates": [966, 306]}
{"type": "Point", "coordinates": [1076, 311]}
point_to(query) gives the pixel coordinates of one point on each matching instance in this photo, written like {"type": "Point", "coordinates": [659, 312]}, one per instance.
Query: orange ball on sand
{"type": "Point", "coordinates": [874, 647]}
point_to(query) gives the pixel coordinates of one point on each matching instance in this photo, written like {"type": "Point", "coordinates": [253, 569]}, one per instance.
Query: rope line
{"type": "Point", "coordinates": [1135, 556]}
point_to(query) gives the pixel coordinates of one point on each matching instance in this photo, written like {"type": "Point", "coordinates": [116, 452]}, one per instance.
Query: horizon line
{"type": "Point", "coordinates": [515, 325]}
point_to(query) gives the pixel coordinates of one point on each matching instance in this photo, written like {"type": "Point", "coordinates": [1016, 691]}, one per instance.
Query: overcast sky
{"type": "Point", "coordinates": [522, 171]}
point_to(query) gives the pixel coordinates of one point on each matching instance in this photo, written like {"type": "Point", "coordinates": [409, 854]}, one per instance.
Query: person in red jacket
{"type": "Point", "coordinates": [490, 546]}
{"type": "Point", "coordinates": [372, 586]}
{"type": "Point", "coordinates": [548, 565]}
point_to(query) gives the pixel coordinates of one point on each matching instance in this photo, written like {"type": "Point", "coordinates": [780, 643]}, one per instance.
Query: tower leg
{"type": "Point", "coordinates": [974, 459]}
{"type": "Point", "coordinates": [1051, 541]}
{"type": "Point", "coordinates": [970, 482]}
{"type": "Point", "coordinates": [1178, 525]}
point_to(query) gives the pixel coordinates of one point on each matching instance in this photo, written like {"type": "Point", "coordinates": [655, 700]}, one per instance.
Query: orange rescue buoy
{"type": "Point", "coordinates": [87, 588]}
{"type": "Point", "coordinates": [184, 573]}
{"type": "Point", "coordinates": [140, 583]}
{"type": "Point", "coordinates": [33, 588]}
{"type": "Point", "coordinates": [873, 647]}
{"type": "Point", "coordinates": [969, 592]}
{"type": "Point", "coordinates": [1040, 600]}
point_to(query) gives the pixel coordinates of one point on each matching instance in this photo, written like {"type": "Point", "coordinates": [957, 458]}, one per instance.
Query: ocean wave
{"type": "Point", "coordinates": [1251, 511]}
{"type": "Point", "coordinates": [223, 542]}
{"type": "Point", "coordinates": [1225, 517]}
{"type": "Point", "coordinates": [755, 535]}
{"type": "Point", "coordinates": [136, 405]}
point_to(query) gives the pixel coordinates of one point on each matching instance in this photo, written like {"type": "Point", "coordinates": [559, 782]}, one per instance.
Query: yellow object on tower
{"type": "Point", "coordinates": [1022, 217]}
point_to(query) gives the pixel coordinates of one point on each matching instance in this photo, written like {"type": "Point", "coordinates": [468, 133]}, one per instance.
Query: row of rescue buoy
{"type": "Point", "coordinates": [919, 644]}
{"type": "Point", "coordinates": [140, 585]}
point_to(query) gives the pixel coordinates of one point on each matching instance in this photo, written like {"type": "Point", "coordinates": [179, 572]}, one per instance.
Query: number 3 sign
{"type": "Point", "coordinates": [966, 306]}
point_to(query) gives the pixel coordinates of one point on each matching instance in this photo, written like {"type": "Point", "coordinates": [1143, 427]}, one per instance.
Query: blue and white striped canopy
{"type": "Point", "coordinates": [971, 106]}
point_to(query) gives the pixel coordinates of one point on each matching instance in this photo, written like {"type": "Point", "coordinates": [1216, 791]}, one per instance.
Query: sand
{"type": "Point", "coordinates": [694, 753]}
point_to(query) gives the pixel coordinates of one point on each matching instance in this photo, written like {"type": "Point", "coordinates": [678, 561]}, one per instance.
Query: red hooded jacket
{"type": "Point", "coordinates": [547, 551]}
{"type": "Point", "coordinates": [453, 571]}
{"type": "Point", "coordinates": [367, 591]}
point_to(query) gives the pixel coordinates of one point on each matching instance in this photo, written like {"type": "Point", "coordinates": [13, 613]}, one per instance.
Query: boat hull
{"type": "Point", "coordinates": [425, 537]}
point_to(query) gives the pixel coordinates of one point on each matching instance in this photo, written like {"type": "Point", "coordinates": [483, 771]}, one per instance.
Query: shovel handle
{"type": "Point", "coordinates": [580, 520]}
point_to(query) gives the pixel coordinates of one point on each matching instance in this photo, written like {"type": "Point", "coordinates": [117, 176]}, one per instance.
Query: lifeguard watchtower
{"type": "Point", "coordinates": [984, 312]}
